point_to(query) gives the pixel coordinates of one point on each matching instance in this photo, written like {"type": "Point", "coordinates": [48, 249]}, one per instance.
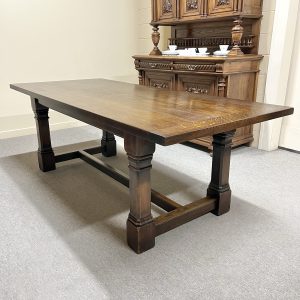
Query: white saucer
{"type": "Point", "coordinates": [221, 53]}
{"type": "Point", "coordinates": [168, 52]}
{"type": "Point", "coordinates": [203, 54]}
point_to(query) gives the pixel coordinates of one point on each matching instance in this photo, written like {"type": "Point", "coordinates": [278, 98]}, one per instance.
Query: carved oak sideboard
{"type": "Point", "coordinates": [206, 23]}
{"type": "Point", "coordinates": [233, 77]}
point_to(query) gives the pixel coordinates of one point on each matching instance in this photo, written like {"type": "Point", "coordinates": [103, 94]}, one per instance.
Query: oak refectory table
{"type": "Point", "coordinates": [144, 117]}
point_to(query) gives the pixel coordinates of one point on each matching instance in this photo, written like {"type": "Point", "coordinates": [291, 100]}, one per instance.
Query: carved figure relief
{"type": "Point", "coordinates": [197, 90]}
{"type": "Point", "coordinates": [223, 2]}
{"type": "Point", "coordinates": [160, 85]}
{"type": "Point", "coordinates": [191, 4]}
{"type": "Point", "coordinates": [167, 6]}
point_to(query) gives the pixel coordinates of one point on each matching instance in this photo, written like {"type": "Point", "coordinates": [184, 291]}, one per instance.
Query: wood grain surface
{"type": "Point", "coordinates": [160, 116]}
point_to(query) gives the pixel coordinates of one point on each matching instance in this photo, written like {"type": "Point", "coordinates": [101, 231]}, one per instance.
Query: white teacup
{"type": "Point", "coordinates": [224, 48]}
{"type": "Point", "coordinates": [172, 47]}
{"type": "Point", "coordinates": [202, 50]}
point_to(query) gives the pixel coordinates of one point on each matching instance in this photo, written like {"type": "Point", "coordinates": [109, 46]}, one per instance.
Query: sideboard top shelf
{"type": "Point", "coordinates": [199, 58]}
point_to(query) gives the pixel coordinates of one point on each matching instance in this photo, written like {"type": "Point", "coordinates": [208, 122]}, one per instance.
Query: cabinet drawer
{"type": "Point", "coordinates": [205, 85]}
{"type": "Point", "coordinates": [166, 10]}
{"type": "Point", "coordinates": [220, 7]}
{"type": "Point", "coordinates": [189, 9]}
{"type": "Point", "coordinates": [160, 80]}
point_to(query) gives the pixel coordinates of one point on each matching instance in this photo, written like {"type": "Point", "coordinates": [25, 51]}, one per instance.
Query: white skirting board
{"type": "Point", "coordinates": [14, 126]}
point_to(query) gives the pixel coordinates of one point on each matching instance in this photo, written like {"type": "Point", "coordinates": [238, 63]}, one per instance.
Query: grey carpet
{"type": "Point", "coordinates": [62, 233]}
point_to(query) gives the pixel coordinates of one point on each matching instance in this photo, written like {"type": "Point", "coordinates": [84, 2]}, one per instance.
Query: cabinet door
{"type": "Point", "coordinates": [166, 10]}
{"type": "Point", "coordinates": [190, 9]}
{"type": "Point", "coordinates": [205, 85]}
{"type": "Point", "coordinates": [221, 7]}
{"type": "Point", "coordinates": [160, 80]}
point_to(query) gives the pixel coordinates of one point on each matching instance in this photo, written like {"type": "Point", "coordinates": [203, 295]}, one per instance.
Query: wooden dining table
{"type": "Point", "coordinates": [145, 117]}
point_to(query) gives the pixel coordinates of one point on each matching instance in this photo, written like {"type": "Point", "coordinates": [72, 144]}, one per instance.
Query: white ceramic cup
{"type": "Point", "coordinates": [224, 48]}
{"type": "Point", "coordinates": [202, 50]}
{"type": "Point", "coordinates": [172, 47]}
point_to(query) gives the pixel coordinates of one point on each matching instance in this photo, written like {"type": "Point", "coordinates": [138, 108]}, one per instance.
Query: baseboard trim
{"type": "Point", "coordinates": [290, 150]}
{"type": "Point", "coordinates": [32, 130]}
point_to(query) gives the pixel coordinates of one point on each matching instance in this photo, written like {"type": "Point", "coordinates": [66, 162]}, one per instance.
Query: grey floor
{"type": "Point", "coordinates": [62, 233]}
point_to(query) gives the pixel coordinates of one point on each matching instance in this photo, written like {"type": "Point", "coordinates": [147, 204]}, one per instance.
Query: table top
{"type": "Point", "coordinates": [162, 116]}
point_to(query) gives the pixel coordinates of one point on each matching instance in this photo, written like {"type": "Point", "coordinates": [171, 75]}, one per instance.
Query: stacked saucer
{"type": "Point", "coordinates": [223, 51]}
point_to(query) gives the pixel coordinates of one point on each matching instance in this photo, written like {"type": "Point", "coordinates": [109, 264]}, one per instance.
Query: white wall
{"type": "Point", "coordinates": [280, 62]}
{"type": "Point", "coordinates": [145, 30]}
{"type": "Point", "coordinates": [290, 132]}
{"type": "Point", "coordinates": [264, 49]}
{"type": "Point", "coordinates": [57, 40]}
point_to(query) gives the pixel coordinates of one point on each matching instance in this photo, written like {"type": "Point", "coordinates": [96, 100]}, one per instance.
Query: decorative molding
{"type": "Point", "coordinates": [223, 2]}
{"type": "Point", "coordinates": [136, 63]}
{"type": "Point", "coordinates": [197, 90]}
{"type": "Point", "coordinates": [160, 85]}
{"type": "Point", "coordinates": [222, 85]}
{"type": "Point", "coordinates": [191, 5]}
{"type": "Point", "coordinates": [167, 6]}
{"type": "Point", "coordinates": [211, 42]}
{"type": "Point", "coordinates": [156, 66]}
{"type": "Point", "coordinates": [198, 68]}
{"type": "Point", "coordinates": [141, 77]}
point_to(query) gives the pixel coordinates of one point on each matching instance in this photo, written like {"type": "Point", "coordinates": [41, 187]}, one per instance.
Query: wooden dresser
{"type": "Point", "coordinates": [206, 23]}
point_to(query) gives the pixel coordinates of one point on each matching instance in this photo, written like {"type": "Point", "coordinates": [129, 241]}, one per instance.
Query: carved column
{"type": "Point", "coordinates": [222, 85]}
{"type": "Point", "coordinates": [108, 144]}
{"type": "Point", "coordinates": [204, 9]}
{"type": "Point", "coordinates": [237, 34]}
{"type": "Point", "coordinates": [155, 40]}
{"type": "Point", "coordinates": [45, 152]}
{"type": "Point", "coordinates": [219, 185]}
{"type": "Point", "coordinates": [140, 226]}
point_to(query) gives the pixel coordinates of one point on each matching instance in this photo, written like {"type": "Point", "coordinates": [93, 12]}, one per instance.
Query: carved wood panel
{"type": "Point", "coordinates": [160, 80]}
{"type": "Point", "coordinates": [166, 9]}
{"type": "Point", "coordinates": [205, 85]}
{"type": "Point", "coordinates": [190, 8]}
{"type": "Point", "coordinates": [216, 7]}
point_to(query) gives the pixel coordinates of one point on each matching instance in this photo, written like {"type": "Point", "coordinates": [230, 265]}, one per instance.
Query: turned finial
{"type": "Point", "coordinates": [155, 40]}
{"type": "Point", "coordinates": [237, 34]}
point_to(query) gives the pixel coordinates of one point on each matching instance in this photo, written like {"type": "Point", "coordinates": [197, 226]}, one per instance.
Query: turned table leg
{"type": "Point", "coordinates": [45, 152]}
{"type": "Point", "coordinates": [140, 225]}
{"type": "Point", "coordinates": [219, 185]}
{"type": "Point", "coordinates": [108, 144]}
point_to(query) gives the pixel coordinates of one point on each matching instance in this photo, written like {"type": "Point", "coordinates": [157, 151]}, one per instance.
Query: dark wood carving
{"type": "Point", "coordinates": [167, 6]}
{"type": "Point", "coordinates": [237, 34]}
{"type": "Point", "coordinates": [208, 24]}
{"type": "Point", "coordinates": [160, 85]}
{"type": "Point", "coordinates": [191, 4]}
{"type": "Point", "coordinates": [223, 2]}
{"type": "Point", "coordinates": [155, 40]}
{"type": "Point", "coordinates": [197, 90]}
{"type": "Point", "coordinates": [224, 77]}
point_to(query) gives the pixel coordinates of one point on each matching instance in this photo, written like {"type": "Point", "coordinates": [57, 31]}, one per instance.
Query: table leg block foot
{"type": "Point", "coordinates": [140, 238]}
{"type": "Point", "coordinates": [108, 144]}
{"type": "Point", "coordinates": [109, 148]}
{"type": "Point", "coordinates": [46, 161]}
{"type": "Point", "coordinates": [223, 205]}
